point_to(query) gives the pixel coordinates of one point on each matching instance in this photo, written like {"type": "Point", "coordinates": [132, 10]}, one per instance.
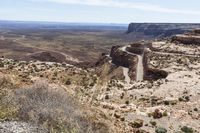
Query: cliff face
{"type": "Point", "coordinates": [160, 29]}
{"type": "Point", "coordinates": [122, 58]}
{"type": "Point", "coordinates": [189, 38]}
{"type": "Point", "coordinates": [133, 57]}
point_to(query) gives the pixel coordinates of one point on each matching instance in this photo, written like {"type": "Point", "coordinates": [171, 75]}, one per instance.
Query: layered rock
{"type": "Point", "coordinates": [160, 29]}
{"type": "Point", "coordinates": [122, 58]}
{"type": "Point", "coordinates": [152, 73]}
{"type": "Point", "coordinates": [196, 31]}
{"type": "Point", "coordinates": [133, 58]}
{"type": "Point", "coordinates": [189, 38]}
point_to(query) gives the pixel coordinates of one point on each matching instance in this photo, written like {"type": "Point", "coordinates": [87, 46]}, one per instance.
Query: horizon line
{"type": "Point", "coordinates": [108, 23]}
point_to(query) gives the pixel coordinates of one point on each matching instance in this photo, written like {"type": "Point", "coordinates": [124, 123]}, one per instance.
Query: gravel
{"type": "Point", "coordinates": [19, 127]}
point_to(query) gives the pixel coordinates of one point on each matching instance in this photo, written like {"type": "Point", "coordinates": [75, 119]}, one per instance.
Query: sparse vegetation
{"type": "Point", "coordinates": [157, 114]}
{"type": "Point", "coordinates": [68, 82]}
{"type": "Point", "coordinates": [153, 123]}
{"type": "Point", "coordinates": [1, 64]}
{"type": "Point", "coordinates": [50, 107]}
{"type": "Point", "coordinates": [86, 98]}
{"type": "Point", "coordinates": [161, 130]}
{"type": "Point", "coordinates": [137, 123]}
{"type": "Point", "coordinates": [186, 129]}
{"type": "Point", "coordinates": [7, 111]}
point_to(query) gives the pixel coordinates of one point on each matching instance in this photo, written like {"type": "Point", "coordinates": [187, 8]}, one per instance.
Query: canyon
{"type": "Point", "coordinates": [141, 86]}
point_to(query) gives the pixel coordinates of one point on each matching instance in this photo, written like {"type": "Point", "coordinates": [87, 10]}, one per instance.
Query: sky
{"type": "Point", "coordinates": [101, 11]}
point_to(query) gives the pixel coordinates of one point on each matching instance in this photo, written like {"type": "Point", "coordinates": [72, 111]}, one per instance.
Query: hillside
{"type": "Point", "coordinates": [142, 87]}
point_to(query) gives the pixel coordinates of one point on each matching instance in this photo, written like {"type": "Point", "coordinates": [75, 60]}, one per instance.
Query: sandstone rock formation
{"type": "Point", "coordinates": [160, 30]}
{"type": "Point", "coordinates": [196, 31]}
{"type": "Point", "coordinates": [133, 59]}
{"type": "Point", "coordinates": [185, 39]}
{"type": "Point", "coordinates": [189, 38]}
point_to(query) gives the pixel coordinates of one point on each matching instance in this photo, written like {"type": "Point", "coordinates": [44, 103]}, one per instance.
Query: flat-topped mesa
{"type": "Point", "coordinates": [189, 38]}
{"type": "Point", "coordinates": [160, 29]}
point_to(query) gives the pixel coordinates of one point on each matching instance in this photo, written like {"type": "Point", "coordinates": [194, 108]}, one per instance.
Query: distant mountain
{"type": "Point", "coordinates": [161, 29]}
{"type": "Point", "coordinates": [59, 25]}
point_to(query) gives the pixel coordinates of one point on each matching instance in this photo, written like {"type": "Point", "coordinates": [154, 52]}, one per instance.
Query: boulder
{"type": "Point", "coordinates": [137, 123]}
{"type": "Point", "coordinates": [154, 74]}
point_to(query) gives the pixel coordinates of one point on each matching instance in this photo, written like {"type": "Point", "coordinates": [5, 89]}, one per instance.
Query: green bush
{"type": "Point", "coordinates": [186, 129]}
{"type": "Point", "coordinates": [161, 130]}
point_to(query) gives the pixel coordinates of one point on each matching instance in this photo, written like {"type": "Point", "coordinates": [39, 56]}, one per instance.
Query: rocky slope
{"type": "Point", "coordinates": [165, 100]}
{"type": "Point", "coordinates": [170, 88]}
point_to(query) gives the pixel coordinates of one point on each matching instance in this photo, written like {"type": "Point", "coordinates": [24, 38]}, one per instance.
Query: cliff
{"type": "Point", "coordinates": [133, 58]}
{"type": "Point", "coordinates": [189, 38]}
{"type": "Point", "coordinates": [160, 29]}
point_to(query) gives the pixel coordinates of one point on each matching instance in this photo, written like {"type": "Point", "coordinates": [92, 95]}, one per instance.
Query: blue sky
{"type": "Point", "coordinates": [101, 11]}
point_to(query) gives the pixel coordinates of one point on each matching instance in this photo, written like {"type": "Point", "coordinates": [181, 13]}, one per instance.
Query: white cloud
{"type": "Point", "coordinates": [124, 4]}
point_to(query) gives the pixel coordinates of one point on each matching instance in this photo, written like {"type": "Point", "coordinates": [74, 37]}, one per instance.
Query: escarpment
{"type": "Point", "coordinates": [189, 38]}
{"type": "Point", "coordinates": [160, 29]}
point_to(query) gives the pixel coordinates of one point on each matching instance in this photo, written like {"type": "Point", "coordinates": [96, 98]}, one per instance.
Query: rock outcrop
{"type": "Point", "coordinates": [155, 74]}
{"type": "Point", "coordinates": [189, 38]}
{"type": "Point", "coordinates": [185, 39]}
{"type": "Point", "coordinates": [133, 57]}
{"type": "Point", "coordinates": [196, 31]}
{"type": "Point", "coordinates": [122, 58]}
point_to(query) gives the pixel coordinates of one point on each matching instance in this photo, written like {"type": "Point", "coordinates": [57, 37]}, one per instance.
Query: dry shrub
{"type": "Point", "coordinates": [6, 86]}
{"type": "Point", "coordinates": [7, 110]}
{"type": "Point", "coordinates": [54, 109]}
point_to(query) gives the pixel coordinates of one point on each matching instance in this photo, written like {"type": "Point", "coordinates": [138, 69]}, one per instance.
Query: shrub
{"type": "Point", "coordinates": [6, 86]}
{"type": "Point", "coordinates": [186, 129]}
{"type": "Point", "coordinates": [68, 82]}
{"type": "Point", "coordinates": [165, 113]}
{"type": "Point", "coordinates": [7, 110]}
{"type": "Point", "coordinates": [157, 114]}
{"type": "Point", "coordinates": [54, 109]}
{"type": "Point", "coordinates": [161, 130]}
{"type": "Point", "coordinates": [1, 64]}
{"type": "Point", "coordinates": [153, 123]}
